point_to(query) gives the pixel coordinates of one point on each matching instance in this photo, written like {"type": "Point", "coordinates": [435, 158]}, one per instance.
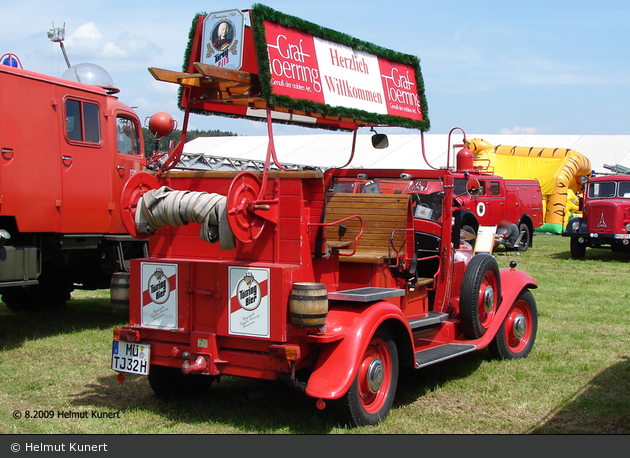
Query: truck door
{"type": "Point", "coordinates": [495, 201]}
{"type": "Point", "coordinates": [127, 160]}
{"type": "Point", "coordinates": [84, 162]}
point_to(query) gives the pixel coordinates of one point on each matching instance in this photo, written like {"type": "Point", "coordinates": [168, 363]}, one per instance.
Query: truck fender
{"type": "Point", "coordinates": [338, 362]}
{"type": "Point", "coordinates": [513, 282]}
{"type": "Point", "coordinates": [581, 229]}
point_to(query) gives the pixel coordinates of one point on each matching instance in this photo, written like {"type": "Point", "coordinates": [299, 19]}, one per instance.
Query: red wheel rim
{"type": "Point", "coordinates": [244, 223]}
{"type": "Point", "coordinates": [518, 326]}
{"type": "Point", "coordinates": [375, 373]}
{"type": "Point", "coordinates": [487, 305]}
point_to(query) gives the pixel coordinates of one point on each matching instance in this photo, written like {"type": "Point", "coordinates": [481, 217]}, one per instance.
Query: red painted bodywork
{"type": "Point", "coordinates": [78, 183]}
{"type": "Point", "coordinates": [289, 251]}
{"type": "Point", "coordinates": [61, 178]}
{"type": "Point", "coordinates": [515, 200]}
{"type": "Point", "coordinates": [605, 219]}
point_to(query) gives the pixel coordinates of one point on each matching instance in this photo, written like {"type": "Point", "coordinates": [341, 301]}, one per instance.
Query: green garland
{"type": "Point", "coordinates": [260, 13]}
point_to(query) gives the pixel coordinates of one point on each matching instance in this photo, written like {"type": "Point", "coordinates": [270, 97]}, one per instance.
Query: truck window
{"type": "Point", "coordinates": [602, 189]}
{"type": "Point", "coordinates": [495, 188]}
{"type": "Point", "coordinates": [83, 121]}
{"type": "Point", "coordinates": [73, 120]}
{"type": "Point", "coordinates": [128, 136]}
{"type": "Point", "coordinates": [624, 189]}
{"type": "Point", "coordinates": [460, 187]}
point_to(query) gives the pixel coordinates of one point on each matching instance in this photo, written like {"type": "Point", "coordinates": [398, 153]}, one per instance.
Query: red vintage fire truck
{"type": "Point", "coordinates": [324, 280]}
{"type": "Point", "coordinates": [67, 150]}
{"type": "Point", "coordinates": [490, 199]}
{"type": "Point", "coordinates": [605, 222]}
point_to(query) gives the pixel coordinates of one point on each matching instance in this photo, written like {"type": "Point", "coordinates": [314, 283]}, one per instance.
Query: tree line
{"type": "Point", "coordinates": [176, 135]}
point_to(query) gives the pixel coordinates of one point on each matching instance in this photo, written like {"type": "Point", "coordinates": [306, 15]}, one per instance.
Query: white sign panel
{"type": "Point", "coordinates": [159, 295]}
{"type": "Point", "coordinates": [350, 78]}
{"type": "Point", "coordinates": [223, 39]}
{"type": "Point", "coordinates": [249, 302]}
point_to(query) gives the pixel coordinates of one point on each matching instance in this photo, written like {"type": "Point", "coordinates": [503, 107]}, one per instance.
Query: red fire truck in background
{"type": "Point", "coordinates": [324, 280]}
{"type": "Point", "coordinates": [605, 222]}
{"type": "Point", "coordinates": [488, 200]}
{"type": "Point", "coordinates": [67, 150]}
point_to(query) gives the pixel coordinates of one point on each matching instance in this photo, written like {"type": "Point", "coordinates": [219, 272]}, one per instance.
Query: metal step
{"type": "Point", "coordinates": [368, 294]}
{"type": "Point", "coordinates": [441, 353]}
{"type": "Point", "coordinates": [433, 318]}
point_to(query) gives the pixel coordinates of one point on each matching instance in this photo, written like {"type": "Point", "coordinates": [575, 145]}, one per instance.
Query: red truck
{"type": "Point", "coordinates": [605, 221]}
{"type": "Point", "coordinates": [67, 150]}
{"type": "Point", "coordinates": [487, 200]}
{"type": "Point", "coordinates": [310, 283]}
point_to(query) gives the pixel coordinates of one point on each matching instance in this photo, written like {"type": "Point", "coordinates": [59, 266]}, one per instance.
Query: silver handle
{"type": "Point", "coordinates": [66, 158]}
{"type": "Point", "coordinates": [120, 167]}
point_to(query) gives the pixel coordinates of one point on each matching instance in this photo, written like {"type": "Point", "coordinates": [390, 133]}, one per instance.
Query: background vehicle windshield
{"type": "Point", "coordinates": [624, 189]}
{"type": "Point", "coordinates": [602, 189]}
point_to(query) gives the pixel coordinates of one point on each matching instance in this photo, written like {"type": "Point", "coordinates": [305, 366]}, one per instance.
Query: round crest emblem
{"type": "Point", "coordinates": [159, 287]}
{"type": "Point", "coordinates": [248, 292]}
{"type": "Point", "coordinates": [481, 209]}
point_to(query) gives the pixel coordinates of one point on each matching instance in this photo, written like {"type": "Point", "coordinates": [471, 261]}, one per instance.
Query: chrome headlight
{"type": "Point", "coordinates": [575, 225]}
{"type": "Point", "coordinates": [628, 227]}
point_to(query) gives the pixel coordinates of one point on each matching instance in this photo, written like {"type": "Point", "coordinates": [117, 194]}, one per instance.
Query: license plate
{"type": "Point", "coordinates": [132, 358]}
{"type": "Point", "coordinates": [622, 236]}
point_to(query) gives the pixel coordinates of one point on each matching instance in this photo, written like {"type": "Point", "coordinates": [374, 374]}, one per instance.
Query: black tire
{"type": "Point", "coordinates": [378, 365]}
{"type": "Point", "coordinates": [169, 383]}
{"type": "Point", "coordinates": [578, 250]}
{"type": "Point", "coordinates": [480, 295]}
{"type": "Point", "coordinates": [48, 294]}
{"type": "Point", "coordinates": [517, 334]}
{"type": "Point", "coordinates": [526, 239]}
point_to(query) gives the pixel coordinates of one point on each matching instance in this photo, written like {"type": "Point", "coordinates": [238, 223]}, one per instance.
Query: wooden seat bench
{"type": "Point", "coordinates": [382, 214]}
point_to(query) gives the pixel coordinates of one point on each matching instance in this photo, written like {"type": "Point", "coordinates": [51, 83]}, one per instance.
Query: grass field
{"type": "Point", "coordinates": [576, 380]}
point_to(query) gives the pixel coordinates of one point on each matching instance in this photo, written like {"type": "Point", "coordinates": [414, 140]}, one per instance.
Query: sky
{"type": "Point", "coordinates": [539, 67]}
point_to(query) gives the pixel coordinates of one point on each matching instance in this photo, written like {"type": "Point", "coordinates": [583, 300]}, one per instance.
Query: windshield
{"type": "Point", "coordinates": [602, 189]}
{"type": "Point", "coordinates": [624, 189]}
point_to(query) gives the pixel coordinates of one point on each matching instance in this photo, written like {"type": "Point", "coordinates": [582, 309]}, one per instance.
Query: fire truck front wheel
{"type": "Point", "coordinates": [480, 295]}
{"type": "Point", "coordinates": [170, 383]}
{"type": "Point", "coordinates": [517, 334]}
{"type": "Point", "coordinates": [578, 250]}
{"type": "Point", "coordinates": [371, 395]}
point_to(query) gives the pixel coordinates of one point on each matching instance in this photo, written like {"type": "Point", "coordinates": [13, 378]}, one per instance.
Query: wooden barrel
{"type": "Point", "coordinates": [308, 305]}
{"type": "Point", "coordinates": [119, 292]}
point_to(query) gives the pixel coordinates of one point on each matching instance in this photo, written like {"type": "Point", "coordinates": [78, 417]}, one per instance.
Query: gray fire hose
{"type": "Point", "coordinates": [167, 207]}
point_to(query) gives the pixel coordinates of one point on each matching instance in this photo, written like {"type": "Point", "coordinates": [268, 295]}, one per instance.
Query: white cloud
{"type": "Point", "coordinates": [88, 42]}
{"type": "Point", "coordinates": [519, 130]}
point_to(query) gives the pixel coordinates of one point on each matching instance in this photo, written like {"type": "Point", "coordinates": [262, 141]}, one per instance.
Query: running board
{"type": "Point", "coordinates": [441, 353]}
{"type": "Point", "coordinates": [431, 319]}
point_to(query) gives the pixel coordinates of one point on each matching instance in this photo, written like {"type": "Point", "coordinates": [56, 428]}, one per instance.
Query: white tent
{"type": "Point", "coordinates": [404, 151]}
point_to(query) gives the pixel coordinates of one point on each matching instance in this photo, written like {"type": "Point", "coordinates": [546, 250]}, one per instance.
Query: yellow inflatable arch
{"type": "Point", "coordinates": [558, 170]}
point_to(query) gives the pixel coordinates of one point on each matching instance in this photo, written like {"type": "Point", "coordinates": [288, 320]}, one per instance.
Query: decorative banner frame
{"type": "Point", "coordinates": [310, 74]}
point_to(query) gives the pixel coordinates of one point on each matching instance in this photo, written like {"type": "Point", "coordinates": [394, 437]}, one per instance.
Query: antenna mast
{"type": "Point", "coordinates": [57, 35]}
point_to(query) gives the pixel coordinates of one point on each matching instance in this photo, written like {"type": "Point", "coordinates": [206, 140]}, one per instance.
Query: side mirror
{"type": "Point", "coordinates": [380, 141]}
{"type": "Point", "coordinates": [473, 187]}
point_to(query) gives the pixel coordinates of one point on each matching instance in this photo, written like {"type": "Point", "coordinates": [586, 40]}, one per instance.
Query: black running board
{"type": "Point", "coordinates": [441, 353]}
{"type": "Point", "coordinates": [431, 319]}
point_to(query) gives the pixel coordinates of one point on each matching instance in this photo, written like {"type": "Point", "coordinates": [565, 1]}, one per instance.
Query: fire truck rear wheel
{"type": "Point", "coordinates": [480, 295]}
{"type": "Point", "coordinates": [44, 296]}
{"type": "Point", "coordinates": [170, 383]}
{"type": "Point", "coordinates": [578, 250]}
{"type": "Point", "coordinates": [371, 395]}
{"type": "Point", "coordinates": [526, 236]}
{"type": "Point", "coordinates": [517, 334]}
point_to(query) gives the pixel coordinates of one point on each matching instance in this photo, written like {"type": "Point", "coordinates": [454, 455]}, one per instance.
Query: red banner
{"type": "Point", "coordinates": [309, 68]}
